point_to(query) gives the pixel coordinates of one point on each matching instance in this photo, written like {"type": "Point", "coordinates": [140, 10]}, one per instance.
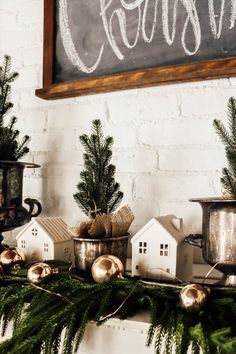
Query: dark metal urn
{"type": "Point", "coordinates": [12, 213]}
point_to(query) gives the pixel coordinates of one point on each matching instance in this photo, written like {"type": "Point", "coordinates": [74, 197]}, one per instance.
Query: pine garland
{"type": "Point", "coordinates": [65, 301]}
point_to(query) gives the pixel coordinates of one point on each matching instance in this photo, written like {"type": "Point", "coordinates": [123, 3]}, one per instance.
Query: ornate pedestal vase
{"type": "Point", "coordinates": [218, 239]}
{"type": "Point", "coordinates": [87, 250]}
{"type": "Point", "coordinates": [12, 213]}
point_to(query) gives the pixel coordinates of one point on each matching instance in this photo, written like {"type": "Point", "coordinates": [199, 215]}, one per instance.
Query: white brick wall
{"type": "Point", "coordinates": [165, 150]}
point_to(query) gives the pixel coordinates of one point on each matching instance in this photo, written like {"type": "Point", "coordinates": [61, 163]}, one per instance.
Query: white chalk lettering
{"type": "Point", "coordinates": [131, 5]}
{"type": "Point", "coordinates": [193, 19]}
{"type": "Point", "coordinates": [144, 34]}
{"type": "Point", "coordinates": [233, 14]}
{"type": "Point", "coordinates": [123, 27]}
{"type": "Point", "coordinates": [104, 6]}
{"type": "Point", "coordinates": [212, 17]}
{"type": "Point", "coordinates": [165, 21]}
{"type": "Point", "coordinates": [143, 16]}
{"type": "Point", "coordinates": [68, 43]}
{"type": "Point", "coordinates": [121, 16]}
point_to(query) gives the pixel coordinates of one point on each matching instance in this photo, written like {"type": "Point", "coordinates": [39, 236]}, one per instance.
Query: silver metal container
{"type": "Point", "coordinates": [87, 250]}
{"type": "Point", "coordinates": [218, 239]}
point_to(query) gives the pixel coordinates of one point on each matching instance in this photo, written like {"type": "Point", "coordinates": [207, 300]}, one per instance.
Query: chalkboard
{"type": "Point", "coordinates": [93, 46]}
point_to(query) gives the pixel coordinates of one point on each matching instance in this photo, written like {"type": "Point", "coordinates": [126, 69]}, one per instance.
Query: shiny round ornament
{"type": "Point", "coordinates": [193, 297]}
{"type": "Point", "coordinates": [106, 267]}
{"type": "Point", "coordinates": [12, 256]}
{"type": "Point", "coordinates": [38, 271]}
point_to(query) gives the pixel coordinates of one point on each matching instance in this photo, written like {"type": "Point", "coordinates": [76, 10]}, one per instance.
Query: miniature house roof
{"type": "Point", "coordinates": [55, 227]}
{"type": "Point", "coordinates": [172, 224]}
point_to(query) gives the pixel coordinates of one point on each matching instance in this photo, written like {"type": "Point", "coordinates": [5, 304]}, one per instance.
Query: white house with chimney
{"type": "Point", "coordinates": [46, 239]}
{"type": "Point", "coordinates": [159, 250]}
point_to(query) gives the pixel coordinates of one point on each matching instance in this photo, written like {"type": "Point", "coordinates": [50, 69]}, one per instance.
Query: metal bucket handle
{"type": "Point", "coordinates": [192, 240]}
{"type": "Point", "coordinates": [32, 203]}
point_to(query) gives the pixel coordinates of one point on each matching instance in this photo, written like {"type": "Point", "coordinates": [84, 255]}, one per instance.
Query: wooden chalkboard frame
{"type": "Point", "coordinates": [203, 70]}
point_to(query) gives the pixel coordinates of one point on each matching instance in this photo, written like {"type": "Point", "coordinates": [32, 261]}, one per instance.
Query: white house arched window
{"type": "Point", "coordinates": [34, 232]}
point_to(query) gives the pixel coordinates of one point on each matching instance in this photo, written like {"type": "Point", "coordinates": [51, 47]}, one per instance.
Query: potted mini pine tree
{"type": "Point", "coordinates": [218, 240]}
{"type": "Point", "coordinates": [98, 196]}
{"type": "Point", "coordinates": [12, 213]}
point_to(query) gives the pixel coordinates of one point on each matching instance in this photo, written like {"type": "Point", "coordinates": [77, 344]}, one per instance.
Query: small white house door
{"type": "Point", "coordinates": [165, 257]}
{"type": "Point", "coordinates": [161, 264]}
{"type": "Point", "coordinates": [35, 255]}
{"type": "Point", "coordinates": [47, 248]}
{"type": "Point", "coordinates": [140, 258]}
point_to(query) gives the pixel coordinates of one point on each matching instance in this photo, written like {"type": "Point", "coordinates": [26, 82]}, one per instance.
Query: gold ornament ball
{"type": "Point", "coordinates": [39, 270]}
{"type": "Point", "coordinates": [193, 297]}
{"type": "Point", "coordinates": [11, 256]}
{"type": "Point", "coordinates": [107, 267]}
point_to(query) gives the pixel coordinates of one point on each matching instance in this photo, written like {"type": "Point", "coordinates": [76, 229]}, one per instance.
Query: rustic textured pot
{"type": "Point", "coordinates": [87, 250]}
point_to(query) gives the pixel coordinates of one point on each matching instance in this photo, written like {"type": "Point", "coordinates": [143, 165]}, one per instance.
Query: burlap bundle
{"type": "Point", "coordinates": [105, 225]}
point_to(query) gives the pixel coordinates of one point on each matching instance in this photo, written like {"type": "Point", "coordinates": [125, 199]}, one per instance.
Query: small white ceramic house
{"type": "Point", "coordinates": [46, 239]}
{"type": "Point", "coordinates": [159, 250]}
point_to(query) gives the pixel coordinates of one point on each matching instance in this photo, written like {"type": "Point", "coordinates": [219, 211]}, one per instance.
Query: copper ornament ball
{"type": "Point", "coordinates": [11, 256]}
{"type": "Point", "coordinates": [39, 270]}
{"type": "Point", "coordinates": [106, 267]}
{"type": "Point", "coordinates": [193, 297]}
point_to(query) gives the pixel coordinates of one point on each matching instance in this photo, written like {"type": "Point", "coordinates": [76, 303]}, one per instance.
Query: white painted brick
{"type": "Point", "coordinates": [28, 100]}
{"type": "Point", "coordinates": [30, 121]}
{"type": "Point", "coordinates": [28, 13]}
{"type": "Point", "coordinates": [72, 115]}
{"type": "Point", "coordinates": [21, 38]}
{"type": "Point", "coordinates": [7, 5]}
{"type": "Point", "coordinates": [33, 188]}
{"type": "Point", "coordinates": [135, 108]}
{"type": "Point", "coordinates": [191, 159]}
{"type": "Point", "coordinates": [32, 56]}
{"type": "Point", "coordinates": [135, 160]}
{"type": "Point", "coordinates": [28, 77]}
{"type": "Point", "coordinates": [124, 135]}
{"type": "Point", "coordinates": [177, 186]}
{"type": "Point", "coordinates": [179, 132]}
{"type": "Point", "coordinates": [143, 212]}
{"type": "Point", "coordinates": [204, 103]}
{"type": "Point", "coordinates": [8, 20]}
{"type": "Point", "coordinates": [62, 160]}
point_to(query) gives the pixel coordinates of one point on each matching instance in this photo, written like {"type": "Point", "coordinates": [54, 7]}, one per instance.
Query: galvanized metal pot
{"type": "Point", "coordinates": [218, 239]}
{"type": "Point", "coordinates": [87, 250]}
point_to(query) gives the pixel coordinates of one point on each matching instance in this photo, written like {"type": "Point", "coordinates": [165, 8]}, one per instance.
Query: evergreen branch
{"type": "Point", "coordinates": [10, 148]}
{"type": "Point", "coordinates": [228, 138]}
{"type": "Point", "coordinates": [232, 118]}
{"type": "Point", "coordinates": [98, 190]}
{"type": "Point", "coordinates": [231, 157]}
{"type": "Point", "coordinates": [228, 182]}
{"type": "Point", "coordinates": [223, 133]}
{"type": "Point", "coordinates": [40, 329]}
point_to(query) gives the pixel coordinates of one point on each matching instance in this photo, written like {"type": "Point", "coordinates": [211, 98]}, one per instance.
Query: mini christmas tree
{"type": "Point", "coordinates": [10, 147]}
{"type": "Point", "coordinates": [228, 138]}
{"type": "Point", "coordinates": [98, 192]}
